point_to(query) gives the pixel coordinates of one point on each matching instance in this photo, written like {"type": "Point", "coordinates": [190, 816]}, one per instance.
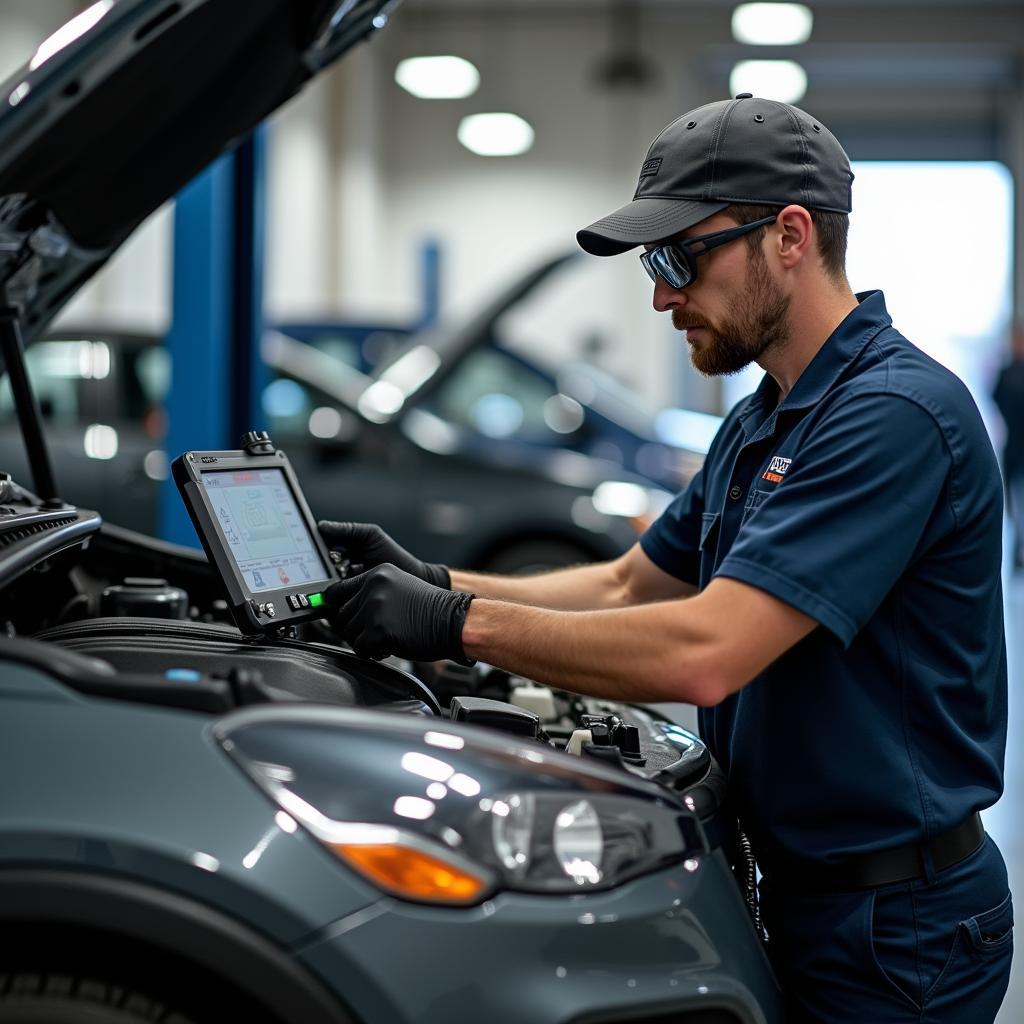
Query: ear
{"type": "Point", "coordinates": [792, 239]}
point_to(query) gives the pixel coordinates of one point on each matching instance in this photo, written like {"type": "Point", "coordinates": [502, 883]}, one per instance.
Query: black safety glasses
{"type": "Point", "coordinates": [676, 262]}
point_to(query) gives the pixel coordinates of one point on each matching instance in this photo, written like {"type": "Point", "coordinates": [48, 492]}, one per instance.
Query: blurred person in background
{"type": "Point", "coordinates": [1009, 399]}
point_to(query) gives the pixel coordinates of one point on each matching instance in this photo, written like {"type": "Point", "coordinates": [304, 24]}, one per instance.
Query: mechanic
{"type": "Point", "coordinates": [826, 589]}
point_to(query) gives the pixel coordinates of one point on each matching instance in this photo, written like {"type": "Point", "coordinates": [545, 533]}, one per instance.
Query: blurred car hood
{"type": "Point", "coordinates": [125, 104]}
{"type": "Point", "coordinates": [348, 387]}
{"type": "Point", "coordinates": [430, 356]}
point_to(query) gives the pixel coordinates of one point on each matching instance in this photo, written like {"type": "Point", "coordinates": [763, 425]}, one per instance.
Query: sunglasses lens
{"type": "Point", "coordinates": [669, 265]}
{"type": "Point", "coordinates": [645, 259]}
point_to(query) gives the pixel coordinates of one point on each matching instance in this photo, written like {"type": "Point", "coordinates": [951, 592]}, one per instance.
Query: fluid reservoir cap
{"type": "Point", "coordinates": [538, 699]}
{"type": "Point", "coordinates": [145, 596]}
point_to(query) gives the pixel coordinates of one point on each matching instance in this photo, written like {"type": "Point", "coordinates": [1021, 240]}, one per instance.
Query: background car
{"type": "Point", "coordinates": [440, 487]}
{"type": "Point", "coordinates": [483, 382]}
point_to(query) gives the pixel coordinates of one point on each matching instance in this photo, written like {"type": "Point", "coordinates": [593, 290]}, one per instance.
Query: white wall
{"type": "Point", "coordinates": [400, 177]}
{"type": "Point", "coordinates": [360, 173]}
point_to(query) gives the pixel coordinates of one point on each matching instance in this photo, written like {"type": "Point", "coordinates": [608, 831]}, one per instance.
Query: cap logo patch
{"type": "Point", "coordinates": [650, 167]}
{"type": "Point", "coordinates": [776, 469]}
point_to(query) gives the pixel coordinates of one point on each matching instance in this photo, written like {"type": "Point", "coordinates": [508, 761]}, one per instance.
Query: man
{"type": "Point", "coordinates": [844, 635]}
{"type": "Point", "coordinates": [1009, 399]}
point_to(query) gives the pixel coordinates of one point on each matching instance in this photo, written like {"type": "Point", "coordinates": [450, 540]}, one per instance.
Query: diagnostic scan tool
{"type": "Point", "coordinates": [258, 532]}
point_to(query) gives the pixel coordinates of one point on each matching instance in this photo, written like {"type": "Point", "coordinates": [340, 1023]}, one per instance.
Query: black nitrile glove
{"type": "Point", "coordinates": [388, 611]}
{"type": "Point", "coordinates": [366, 544]}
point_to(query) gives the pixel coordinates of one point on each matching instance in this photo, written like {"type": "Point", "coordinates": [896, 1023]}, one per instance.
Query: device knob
{"type": "Point", "coordinates": [257, 442]}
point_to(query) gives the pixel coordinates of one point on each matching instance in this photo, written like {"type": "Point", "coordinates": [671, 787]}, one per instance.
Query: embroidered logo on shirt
{"type": "Point", "coordinates": [776, 470]}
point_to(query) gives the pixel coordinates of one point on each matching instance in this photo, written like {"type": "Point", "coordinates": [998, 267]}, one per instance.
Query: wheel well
{"type": "Point", "coordinates": [161, 974]}
{"type": "Point", "coordinates": [114, 925]}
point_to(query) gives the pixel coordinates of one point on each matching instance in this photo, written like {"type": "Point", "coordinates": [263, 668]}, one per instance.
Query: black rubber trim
{"type": "Point", "coordinates": [44, 538]}
{"type": "Point", "coordinates": [129, 909]}
{"type": "Point", "coordinates": [718, 1010]}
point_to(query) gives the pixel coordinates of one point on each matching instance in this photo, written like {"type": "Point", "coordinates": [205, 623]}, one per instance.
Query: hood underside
{"type": "Point", "coordinates": [94, 138]}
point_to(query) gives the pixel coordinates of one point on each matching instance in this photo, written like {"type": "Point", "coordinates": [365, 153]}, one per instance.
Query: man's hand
{"type": "Point", "coordinates": [368, 545]}
{"type": "Point", "coordinates": [388, 611]}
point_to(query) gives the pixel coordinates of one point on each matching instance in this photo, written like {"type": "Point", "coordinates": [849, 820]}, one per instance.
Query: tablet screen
{"type": "Point", "coordinates": [264, 530]}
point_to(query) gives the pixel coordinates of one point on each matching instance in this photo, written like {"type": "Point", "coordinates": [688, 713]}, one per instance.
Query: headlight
{"type": "Point", "coordinates": [558, 842]}
{"type": "Point", "coordinates": [440, 814]}
{"type": "Point", "coordinates": [639, 505]}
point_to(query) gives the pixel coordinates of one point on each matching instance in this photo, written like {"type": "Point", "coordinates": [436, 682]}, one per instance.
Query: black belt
{"type": "Point", "coordinates": [887, 867]}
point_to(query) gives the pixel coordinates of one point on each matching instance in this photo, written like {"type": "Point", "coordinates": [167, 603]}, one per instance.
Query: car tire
{"type": "Point", "coordinates": [29, 997]}
{"type": "Point", "coordinates": [530, 556]}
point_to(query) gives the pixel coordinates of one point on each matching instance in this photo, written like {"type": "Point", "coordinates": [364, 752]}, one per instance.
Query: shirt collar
{"type": "Point", "coordinates": [841, 347]}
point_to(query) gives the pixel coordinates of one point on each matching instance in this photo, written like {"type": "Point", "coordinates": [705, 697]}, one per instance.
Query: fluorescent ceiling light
{"type": "Point", "coordinates": [782, 80]}
{"type": "Point", "coordinates": [495, 134]}
{"type": "Point", "coordinates": [772, 24]}
{"type": "Point", "coordinates": [437, 78]}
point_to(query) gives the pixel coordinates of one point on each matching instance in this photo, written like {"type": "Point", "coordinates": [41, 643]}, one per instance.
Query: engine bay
{"type": "Point", "coordinates": [121, 615]}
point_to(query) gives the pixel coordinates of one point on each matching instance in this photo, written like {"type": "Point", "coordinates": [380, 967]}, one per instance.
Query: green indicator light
{"type": "Point", "coordinates": [315, 600]}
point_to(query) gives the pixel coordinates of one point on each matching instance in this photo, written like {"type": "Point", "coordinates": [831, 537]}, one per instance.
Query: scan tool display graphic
{"type": "Point", "coordinates": [263, 528]}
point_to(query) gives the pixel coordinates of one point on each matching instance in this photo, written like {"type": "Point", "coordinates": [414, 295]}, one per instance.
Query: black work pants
{"type": "Point", "coordinates": [931, 951]}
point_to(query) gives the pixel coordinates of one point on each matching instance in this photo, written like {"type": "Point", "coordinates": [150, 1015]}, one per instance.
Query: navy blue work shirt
{"type": "Point", "coordinates": [870, 500]}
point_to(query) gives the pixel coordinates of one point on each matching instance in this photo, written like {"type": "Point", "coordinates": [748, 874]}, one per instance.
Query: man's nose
{"type": "Point", "coordinates": [666, 297]}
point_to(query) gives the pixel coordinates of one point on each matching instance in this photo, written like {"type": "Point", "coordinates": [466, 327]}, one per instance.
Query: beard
{"type": "Point", "coordinates": [758, 323]}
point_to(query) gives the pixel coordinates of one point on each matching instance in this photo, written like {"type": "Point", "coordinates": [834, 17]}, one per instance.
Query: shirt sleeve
{"type": "Point", "coordinates": [672, 542]}
{"type": "Point", "coordinates": [833, 537]}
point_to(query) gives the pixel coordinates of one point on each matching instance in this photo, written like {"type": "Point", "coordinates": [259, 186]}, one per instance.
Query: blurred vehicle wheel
{"type": "Point", "coordinates": [536, 556]}
{"type": "Point", "coordinates": [30, 997]}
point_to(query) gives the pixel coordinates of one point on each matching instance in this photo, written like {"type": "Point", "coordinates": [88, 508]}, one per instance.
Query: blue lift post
{"type": "Point", "coordinates": [217, 315]}
{"type": "Point", "coordinates": [430, 291]}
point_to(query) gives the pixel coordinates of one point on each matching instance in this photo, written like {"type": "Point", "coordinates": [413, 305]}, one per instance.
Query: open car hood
{"type": "Point", "coordinates": [128, 102]}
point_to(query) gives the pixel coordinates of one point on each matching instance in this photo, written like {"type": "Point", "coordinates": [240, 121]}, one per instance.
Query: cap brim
{"type": "Point", "coordinates": [643, 220]}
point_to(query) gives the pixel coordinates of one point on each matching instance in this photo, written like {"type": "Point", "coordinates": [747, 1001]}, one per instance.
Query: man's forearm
{"type": "Point", "coordinates": [653, 652]}
{"type": "Point", "coordinates": [575, 589]}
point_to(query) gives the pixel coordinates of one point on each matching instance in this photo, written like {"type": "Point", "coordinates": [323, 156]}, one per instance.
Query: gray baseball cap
{"type": "Point", "coordinates": [746, 150]}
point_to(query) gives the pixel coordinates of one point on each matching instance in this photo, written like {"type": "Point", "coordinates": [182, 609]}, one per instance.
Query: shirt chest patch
{"type": "Point", "coordinates": [776, 469]}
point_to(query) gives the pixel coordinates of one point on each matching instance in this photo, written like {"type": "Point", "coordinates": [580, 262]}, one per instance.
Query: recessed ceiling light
{"type": "Point", "coordinates": [438, 78]}
{"type": "Point", "coordinates": [767, 24]}
{"type": "Point", "coordinates": [782, 80]}
{"type": "Point", "coordinates": [496, 134]}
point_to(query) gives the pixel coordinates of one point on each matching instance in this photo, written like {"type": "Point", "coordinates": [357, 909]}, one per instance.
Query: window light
{"type": "Point", "coordinates": [770, 24]}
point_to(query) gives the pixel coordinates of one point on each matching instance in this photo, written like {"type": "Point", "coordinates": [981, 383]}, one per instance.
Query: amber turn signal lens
{"type": "Point", "coordinates": [411, 874]}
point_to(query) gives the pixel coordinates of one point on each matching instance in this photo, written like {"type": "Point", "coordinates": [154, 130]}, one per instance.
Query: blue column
{"type": "Point", "coordinates": [217, 315]}
{"type": "Point", "coordinates": [430, 264]}
{"type": "Point", "coordinates": [250, 372]}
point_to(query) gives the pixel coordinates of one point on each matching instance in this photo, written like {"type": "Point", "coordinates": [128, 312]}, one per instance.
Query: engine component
{"type": "Point", "coordinates": [495, 714]}
{"type": "Point", "coordinates": [611, 733]}
{"type": "Point", "coordinates": [142, 596]}
{"type": "Point", "coordinates": [538, 699]}
{"type": "Point", "coordinates": [576, 741]}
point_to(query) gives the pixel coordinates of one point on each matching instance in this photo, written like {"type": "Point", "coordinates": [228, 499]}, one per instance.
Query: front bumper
{"type": "Point", "coordinates": [669, 943]}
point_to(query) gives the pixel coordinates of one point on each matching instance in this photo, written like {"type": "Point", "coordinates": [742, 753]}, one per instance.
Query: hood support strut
{"type": "Point", "coordinates": [29, 418]}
